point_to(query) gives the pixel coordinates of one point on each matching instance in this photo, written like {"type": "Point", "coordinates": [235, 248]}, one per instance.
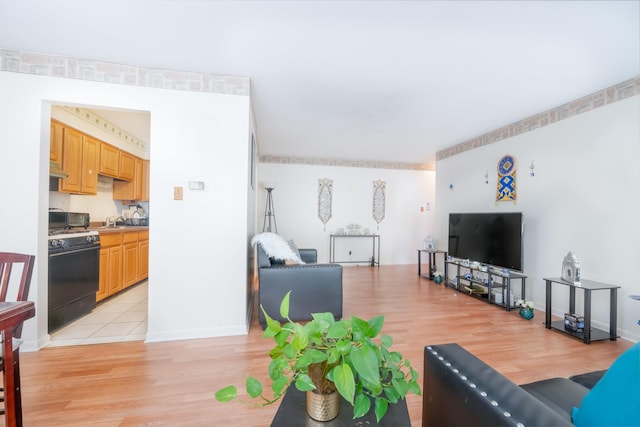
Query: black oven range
{"type": "Point", "coordinates": [74, 268]}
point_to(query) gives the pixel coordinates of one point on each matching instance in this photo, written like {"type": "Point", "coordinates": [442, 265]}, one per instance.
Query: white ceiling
{"type": "Point", "coordinates": [365, 80]}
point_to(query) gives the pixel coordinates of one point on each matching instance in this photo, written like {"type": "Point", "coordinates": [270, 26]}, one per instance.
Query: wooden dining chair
{"type": "Point", "coordinates": [8, 263]}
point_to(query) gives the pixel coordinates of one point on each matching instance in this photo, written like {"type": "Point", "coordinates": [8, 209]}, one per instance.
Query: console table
{"type": "Point", "coordinates": [589, 334]}
{"type": "Point", "coordinates": [431, 254]}
{"type": "Point", "coordinates": [375, 248]}
{"type": "Point", "coordinates": [12, 313]}
{"type": "Point", "coordinates": [292, 413]}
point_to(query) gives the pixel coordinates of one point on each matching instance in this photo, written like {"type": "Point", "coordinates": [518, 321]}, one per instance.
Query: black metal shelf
{"type": "Point", "coordinates": [375, 249]}
{"type": "Point", "coordinates": [494, 281]}
{"type": "Point", "coordinates": [596, 334]}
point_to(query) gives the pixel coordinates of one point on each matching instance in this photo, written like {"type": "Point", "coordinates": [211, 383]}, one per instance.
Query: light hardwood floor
{"type": "Point", "coordinates": [172, 384]}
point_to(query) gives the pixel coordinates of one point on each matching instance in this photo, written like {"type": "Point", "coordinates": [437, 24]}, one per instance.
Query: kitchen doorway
{"type": "Point", "coordinates": [123, 316]}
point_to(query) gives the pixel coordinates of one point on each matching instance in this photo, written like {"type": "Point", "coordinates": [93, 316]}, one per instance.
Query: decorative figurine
{"type": "Point", "coordinates": [571, 269]}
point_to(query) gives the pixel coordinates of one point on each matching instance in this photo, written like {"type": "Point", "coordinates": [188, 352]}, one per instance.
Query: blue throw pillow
{"type": "Point", "coordinates": [615, 399]}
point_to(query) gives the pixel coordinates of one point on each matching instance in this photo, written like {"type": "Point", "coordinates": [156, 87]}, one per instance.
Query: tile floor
{"type": "Point", "coordinates": [122, 318]}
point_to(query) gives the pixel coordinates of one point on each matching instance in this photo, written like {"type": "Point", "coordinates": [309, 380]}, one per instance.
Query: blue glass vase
{"type": "Point", "coordinates": [526, 313]}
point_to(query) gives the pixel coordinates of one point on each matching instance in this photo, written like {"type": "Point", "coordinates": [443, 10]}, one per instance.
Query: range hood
{"type": "Point", "coordinates": [56, 171]}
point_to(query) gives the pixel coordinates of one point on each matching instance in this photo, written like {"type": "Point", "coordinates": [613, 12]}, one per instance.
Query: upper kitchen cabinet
{"type": "Point", "coordinates": [116, 163]}
{"type": "Point", "coordinates": [56, 143]}
{"type": "Point", "coordinates": [90, 165]}
{"type": "Point", "coordinates": [145, 181]}
{"type": "Point", "coordinates": [80, 160]}
{"type": "Point", "coordinates": [138, 188]}
{"type": "Point", "coordinates": [127, 166]}
{"type": "Point", "coordinates": [72, 161]}
{"type": "Point", "coordinates": [55, 146]}
{"type": "Point", "coordinates": [109, 160]}
{"type": "Point", "coordinates": [83, 158]}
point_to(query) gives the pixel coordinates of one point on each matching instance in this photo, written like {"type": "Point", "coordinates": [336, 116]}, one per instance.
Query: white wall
{"type": "Point", "coordinates": [584, 197]}
{"type": "Point", "coordinates": [197, 286]}
{"type": "Point", "coordinates": [402, 232]}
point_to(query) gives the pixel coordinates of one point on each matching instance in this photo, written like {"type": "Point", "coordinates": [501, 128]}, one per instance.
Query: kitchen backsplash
{"type": "Point", "coordinates": [99, 206]}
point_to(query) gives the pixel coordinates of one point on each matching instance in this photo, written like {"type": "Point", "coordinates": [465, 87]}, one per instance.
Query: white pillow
{"type": "Point", "coordinates": [276, 247]}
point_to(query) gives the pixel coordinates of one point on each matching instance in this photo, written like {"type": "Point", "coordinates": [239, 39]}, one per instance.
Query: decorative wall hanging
{"type": "Point", "coordinates": [325, 197]}
{"type": "Point", "coordinates": [506, 188]}
{"type": "Point", "coordinates": [379, 201]}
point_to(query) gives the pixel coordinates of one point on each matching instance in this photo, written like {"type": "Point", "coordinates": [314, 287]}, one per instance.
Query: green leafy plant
{"type": "Point", "coordinates": [326, 355]}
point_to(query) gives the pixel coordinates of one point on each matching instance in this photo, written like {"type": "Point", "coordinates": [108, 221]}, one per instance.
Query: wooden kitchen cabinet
{"type": "Point", "coordinates": [103, 287]}
{"type": "Point", "coordinates": [83, 157]}
{"type": "Point", "coordinates": [90, 164]}
{"type": "Point", "coordinates": [124, 260]}
{"type": "Point", "coordinates": [137, 179]}
{"type": "Point", "coordinates": [127, 166]}
{"type": "Point", "coordinates": [116, 163]}
{"type": "Point", "coordinates": [115, 270]}
{"type": "Point", "coordinates": [56, 142]}
{"type": "Point", "coordinates": [71, 161]}
{"type": "Point", "coordinates": [130, 256]}
{"type": "Point", "coordinates": [110, 265]}
{"type": "Point", "coordinates": [131, 190]}
{"type": "Point", "coordinates": [109, 160]}
{"type": "Point", "coordinates": [145, 181]}
{"type": "Point", "coordinates": [80, 158]}
{"type": "Point", "coordinates": [143, 255]}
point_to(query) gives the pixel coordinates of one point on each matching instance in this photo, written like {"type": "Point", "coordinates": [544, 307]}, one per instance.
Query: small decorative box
{"type": "Point", "coordinates": [573, 322]}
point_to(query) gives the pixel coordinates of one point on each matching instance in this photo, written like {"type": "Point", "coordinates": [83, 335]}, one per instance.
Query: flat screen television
{"type": "Point", "coordinates": [489, 238]}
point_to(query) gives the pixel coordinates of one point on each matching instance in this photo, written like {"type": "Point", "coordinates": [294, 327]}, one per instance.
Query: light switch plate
{"type": "Point", "coordinates": [177, 193]}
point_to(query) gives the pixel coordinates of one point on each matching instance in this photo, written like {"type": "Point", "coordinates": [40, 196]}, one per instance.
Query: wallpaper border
{"type": "Point", "coordinates": [108, 72]}
{"type": "Point", "coordinates": [585, 104]}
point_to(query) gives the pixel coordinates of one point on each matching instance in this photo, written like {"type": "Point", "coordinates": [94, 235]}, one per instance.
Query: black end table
{"type": "Point", "coordinates": [431, 253]}
{"type": "Point", "coordinates": [589, 333]}
{"type": "Point", "coordinates": [293, 413]}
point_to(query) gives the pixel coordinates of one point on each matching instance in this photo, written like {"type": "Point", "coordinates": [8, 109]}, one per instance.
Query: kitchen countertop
{"type": "Point", "coordinates": [119, 228]}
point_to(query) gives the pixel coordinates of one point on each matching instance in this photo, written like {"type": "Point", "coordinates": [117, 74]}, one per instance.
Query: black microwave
{"type": "Point", "coordinates": [59, 219]}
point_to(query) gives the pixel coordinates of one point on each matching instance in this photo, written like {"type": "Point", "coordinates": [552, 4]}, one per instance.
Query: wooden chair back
{"type": "Point", "coordinates": [9, 261]}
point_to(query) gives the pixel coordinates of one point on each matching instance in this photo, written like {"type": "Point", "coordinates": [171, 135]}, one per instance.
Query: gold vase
{"type": "Point", "coordinates": [323, 407]}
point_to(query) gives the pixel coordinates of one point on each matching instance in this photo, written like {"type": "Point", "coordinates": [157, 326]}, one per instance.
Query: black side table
{"type": "Point", "coordinates": [589, 334]}
{"type": "Point", "coordinates": [432, 261]}
{"type": "Point", "coordinates": [293, 413]}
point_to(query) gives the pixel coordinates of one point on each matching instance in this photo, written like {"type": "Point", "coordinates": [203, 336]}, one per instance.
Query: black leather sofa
{"type": "Point", "coordinates": [315, 288]}
{"type": "Point", "coordinates": [461, 390]}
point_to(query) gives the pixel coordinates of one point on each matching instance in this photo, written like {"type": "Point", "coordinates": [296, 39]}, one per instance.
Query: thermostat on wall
{"type": "Point", "coordinates": [196, 185]}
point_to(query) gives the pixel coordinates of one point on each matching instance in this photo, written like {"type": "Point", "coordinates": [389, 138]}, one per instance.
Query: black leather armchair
{"type": "Point", "coordinates": [461, 390]}
{"type": "Point", "coordinates": [315, 288]}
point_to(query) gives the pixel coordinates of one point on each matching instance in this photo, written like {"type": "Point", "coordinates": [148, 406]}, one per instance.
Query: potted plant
{"type": "Point", "coordinates": [526, 309]}
{"type": "Point", "coordinates": [437, 277]}
{"type": "Point", "coordinates": [328, 357]}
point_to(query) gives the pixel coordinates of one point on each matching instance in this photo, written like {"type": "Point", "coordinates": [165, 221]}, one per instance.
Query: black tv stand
{"type": "Point", "coordinates": [484, 281]}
